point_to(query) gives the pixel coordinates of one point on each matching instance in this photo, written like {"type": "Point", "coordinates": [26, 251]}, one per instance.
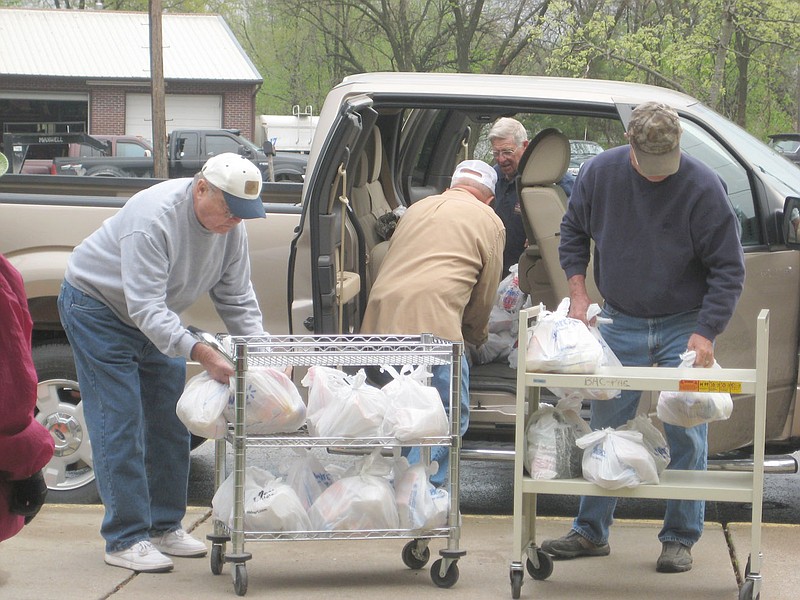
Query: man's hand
{"type": "Point", "coordinates": [578, 298]}
{"type": "Point", "coordinates": [704, 350]}
{"type": "Point", "coordinates": [27, 496]}
{"type": "Point", "coordinates": [218, 367]}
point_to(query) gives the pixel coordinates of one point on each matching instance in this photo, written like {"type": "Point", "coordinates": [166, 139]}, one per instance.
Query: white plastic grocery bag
{"type": "Point", "coordinates": [363, 501]}
{"type": "Point", "coordinates": [273, 404]}
{"type": "Point", "coordinates": [341, 405]}
{"type": "Point", "coordinates": [308, 477]}
{"type": "Point", "coordinates": [652, 438]}
{"type": "Point", "coordinates": [551, 452]}
{"type": "Point", "coordinates": [560, 344]}
{"type": "Point", "coordinates": [415, 410]}
{"type": "Point", "coordinates": [609, 359]}
{"type": "Point", "coordinates": [201, 405]}
{"type": "Point", "coordinates": [688, 409]}
{"type": "Point", "coordinates": [616, 459]}
{"type": "Point", "coordinates": [269, 503]}
{"type": "Point", "coordinates": [420, 505]}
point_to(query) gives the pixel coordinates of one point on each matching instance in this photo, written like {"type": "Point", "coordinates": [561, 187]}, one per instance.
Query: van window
{"type": "Point", "coordinates": [696, 142]}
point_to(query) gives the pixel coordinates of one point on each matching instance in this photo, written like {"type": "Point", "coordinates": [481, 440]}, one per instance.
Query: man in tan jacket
{"type": "Point", "coordinates": [440, 276]}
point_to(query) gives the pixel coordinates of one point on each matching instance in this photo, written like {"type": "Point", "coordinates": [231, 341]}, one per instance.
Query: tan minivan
{"type": "Point", "coordinates": [386, 140]}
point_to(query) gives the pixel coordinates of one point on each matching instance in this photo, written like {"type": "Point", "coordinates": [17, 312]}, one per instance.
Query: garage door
{"type": "Point", "coordinates": [183, 111]}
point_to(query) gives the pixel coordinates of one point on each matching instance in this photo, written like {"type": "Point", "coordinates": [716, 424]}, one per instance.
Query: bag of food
{"type": "Point", "coordinates": [308, 477]}
{"type": "Point", "coordinates": [415, 410]}
{"type": "Point", "coordinates": [688, 409]}
{"type": "Point", "coordinates": [269, 504]}
{"type": "Point", "coordinates": [608, 359]}
{"type": "Point", "coordinates": [201, 405]}
{"type": "Point", "coordinates": [273, 404]}
{"type": "Point", "coordinates": [341, 405]}
{"type": "Point", "coordinates": [551, 452]}
{"type": "Point", "coordinates": [560, 344]}
{"type": "Point", "coordinates": [509, 297]}
{"type": "Point", "coordinates": [420, 505]}
{"type": "Point", "coordinates": [615, 459]}
{"type": "Point", "coordinates": [652, 438]}
{"type": "Point", "coordinates": [362, 501]}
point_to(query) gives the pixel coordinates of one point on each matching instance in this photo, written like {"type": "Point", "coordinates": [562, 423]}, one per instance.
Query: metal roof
{"type": "Point", "coordinates": [115, 45]}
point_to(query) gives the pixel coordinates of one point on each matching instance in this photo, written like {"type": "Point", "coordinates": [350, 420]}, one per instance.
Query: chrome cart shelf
{"type": "Point", "coordinates": [339, 351]}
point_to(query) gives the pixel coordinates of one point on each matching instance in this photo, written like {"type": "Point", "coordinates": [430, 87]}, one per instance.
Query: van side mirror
{"type": "Point", "coordinates": [791, 223]}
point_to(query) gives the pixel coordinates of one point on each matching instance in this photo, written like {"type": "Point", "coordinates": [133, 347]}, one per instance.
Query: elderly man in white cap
{"type": "Point", "coordinates": [124, 289]}
{"type": "Point", "coordinates": [669, 265]}
{"type": "Point", "coordinates": [440, 275]}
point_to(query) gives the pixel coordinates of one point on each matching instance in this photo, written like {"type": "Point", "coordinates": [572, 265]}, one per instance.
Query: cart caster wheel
{"type": "Point", "coordinates": [240, 579]}
{"type": "Point", "coordinates": [449, 579]}
{"type": "Point", "coordinates": [413, 558]}
{"type": "Point", "coordinates": [545, 566]}
{"type": "Point", "coordinates": [516, 583]}
{"type": "Point", "coordinates": [217, 558]}
{"type": "Point", "coordinates": [747, 590]}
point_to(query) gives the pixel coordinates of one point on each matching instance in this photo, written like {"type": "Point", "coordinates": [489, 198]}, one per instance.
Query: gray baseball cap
{"type": "Point", "coordinates": [654, 132]}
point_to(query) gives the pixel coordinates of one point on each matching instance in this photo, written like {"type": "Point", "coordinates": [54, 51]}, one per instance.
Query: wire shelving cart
{"type": "Point", "coordinates": [723, 486]}
{"type": "Point", "coordinates": [339, 351]}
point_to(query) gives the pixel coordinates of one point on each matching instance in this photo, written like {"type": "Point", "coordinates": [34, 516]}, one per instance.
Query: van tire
{"type": "Point", "coordinates": [69, 473]}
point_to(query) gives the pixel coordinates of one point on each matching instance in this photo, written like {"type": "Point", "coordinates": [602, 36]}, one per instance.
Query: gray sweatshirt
{"type": "Point", "coordinates": [153, 259]}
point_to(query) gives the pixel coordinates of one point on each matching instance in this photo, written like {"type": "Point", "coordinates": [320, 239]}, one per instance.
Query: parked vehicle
{"type": "Point", "coordinates": [33, 153]}
{"type": "Point", "coordinates": [386, 140]}
{"type": "Point", "coordinates": [581, 151]}
{"type": "Point", "coordinates": [187, 151]}
{"type": "Point", "coordinates": [787, 144]}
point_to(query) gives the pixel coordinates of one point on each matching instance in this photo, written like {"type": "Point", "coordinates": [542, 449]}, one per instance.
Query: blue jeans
{"type": "Point", "coordinates": [645, 342]}
{"type": "Point", "coordinates": [140, 448]}
{"type": "Point", "coordinates": [441, 381]}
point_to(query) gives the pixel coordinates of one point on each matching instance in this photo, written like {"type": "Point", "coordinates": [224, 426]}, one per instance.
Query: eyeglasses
{"type": "Point", "coordinates": [505, 153]}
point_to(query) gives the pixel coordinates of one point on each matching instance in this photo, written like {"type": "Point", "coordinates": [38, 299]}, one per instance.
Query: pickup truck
{"type": "Point", "coordinates": [33, 153]}
{"type": "Point", "coordinates": [187, 151]}
{"type": "Point", "coordinates": [385, 140]}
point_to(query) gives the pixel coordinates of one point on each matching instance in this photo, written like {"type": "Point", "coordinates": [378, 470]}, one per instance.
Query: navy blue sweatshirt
{"type": "Point", "coordinates": [660, 248]}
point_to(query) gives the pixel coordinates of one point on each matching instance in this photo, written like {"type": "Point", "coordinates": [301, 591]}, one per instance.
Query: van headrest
{"type": "Point", "coordinates": [545, 160]}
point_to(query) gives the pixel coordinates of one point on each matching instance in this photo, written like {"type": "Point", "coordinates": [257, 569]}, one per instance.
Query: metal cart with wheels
{"type": "Point", "coordinates": [336, 351]}
{"type": "Point", "coordinates": [723, 486]}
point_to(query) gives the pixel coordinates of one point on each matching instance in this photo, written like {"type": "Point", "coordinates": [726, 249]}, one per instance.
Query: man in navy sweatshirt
{"type": "Point", "coordinates": [669, 265]}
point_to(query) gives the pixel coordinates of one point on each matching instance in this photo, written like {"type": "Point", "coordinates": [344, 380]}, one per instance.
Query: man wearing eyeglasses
{"type": "Point", "coordinates": [509, 140]}
{"type": "Point", "coordinates": [124, 290]}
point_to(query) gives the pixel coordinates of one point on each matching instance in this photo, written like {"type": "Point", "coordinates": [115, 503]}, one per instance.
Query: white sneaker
{"type": "Point", "coordinates": [142, 556]}
{"type": "Point", "coordinates": [179, 543]}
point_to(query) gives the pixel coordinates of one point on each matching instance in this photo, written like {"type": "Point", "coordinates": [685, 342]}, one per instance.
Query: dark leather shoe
{"type": "Point", "coordinates": [574, 545]}
{"type": "Point", "coordinates": [675, 558]}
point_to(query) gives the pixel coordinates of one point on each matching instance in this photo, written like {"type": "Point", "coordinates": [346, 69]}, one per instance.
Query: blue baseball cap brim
{"type": "Point", "coordinates": [245, 208]}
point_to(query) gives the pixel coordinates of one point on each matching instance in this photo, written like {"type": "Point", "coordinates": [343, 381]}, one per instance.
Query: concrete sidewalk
{"type": "Point", "coordinates": [60, 555]}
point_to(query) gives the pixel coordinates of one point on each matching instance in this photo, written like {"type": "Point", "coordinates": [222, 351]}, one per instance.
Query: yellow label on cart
{"type": "Point", "coordinates": [695, 385]}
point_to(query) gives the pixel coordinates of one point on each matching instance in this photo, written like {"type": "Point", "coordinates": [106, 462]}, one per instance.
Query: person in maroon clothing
{"type": "Point", "coordinates": [25, 445]}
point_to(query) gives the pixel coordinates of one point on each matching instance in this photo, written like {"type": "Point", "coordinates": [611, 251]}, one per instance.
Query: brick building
{"type": "Point", "coordinates": [89, 71]}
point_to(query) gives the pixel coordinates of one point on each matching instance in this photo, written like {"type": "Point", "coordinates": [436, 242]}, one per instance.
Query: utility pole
{"type": "Point", "coordinates": [158, 108]}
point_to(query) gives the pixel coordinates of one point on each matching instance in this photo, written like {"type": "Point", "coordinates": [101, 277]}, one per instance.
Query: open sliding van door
{"type": "Point", "coordinates": [325, 262]}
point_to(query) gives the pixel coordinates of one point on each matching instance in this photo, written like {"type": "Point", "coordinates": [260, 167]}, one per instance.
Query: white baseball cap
{"type": "Point", "coordinates": [240, 183]}
{"type": "Point", "coordinates": [476, 170]}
